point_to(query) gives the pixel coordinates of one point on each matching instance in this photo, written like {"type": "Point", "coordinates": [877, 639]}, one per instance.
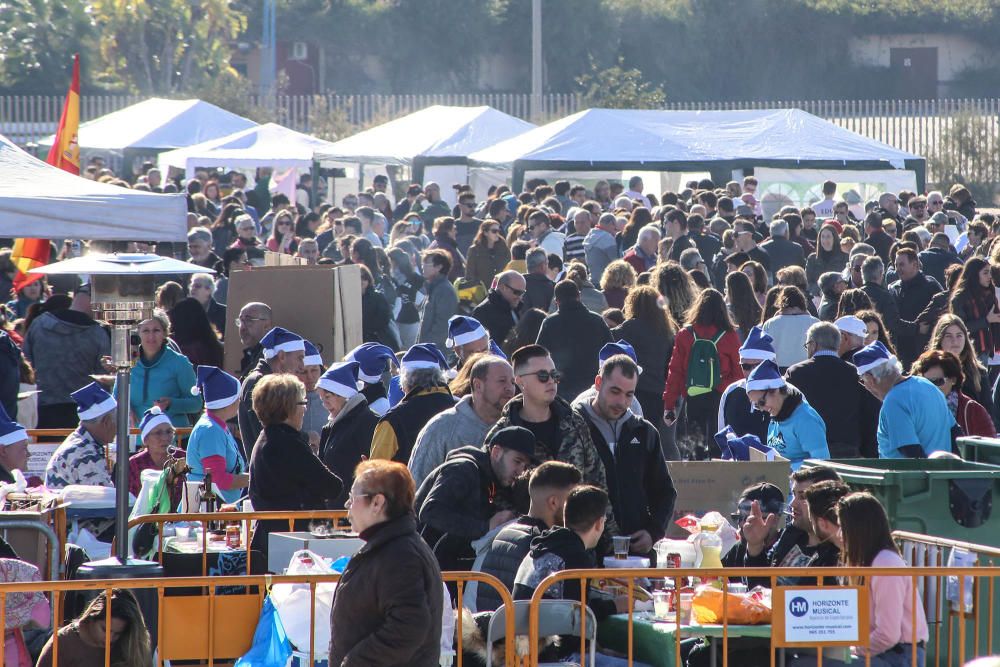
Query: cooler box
{"type": "Point", "coordinates": [980, 450]}
{"type": "Point", "coordinates": [941, 497]}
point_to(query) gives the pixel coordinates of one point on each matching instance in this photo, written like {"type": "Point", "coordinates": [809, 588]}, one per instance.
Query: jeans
{"type": "Point", "coordinates": [889, 658]}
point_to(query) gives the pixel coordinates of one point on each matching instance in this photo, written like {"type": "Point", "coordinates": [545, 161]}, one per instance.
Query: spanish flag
{"type": "Point", "coordinates": [65, 154]}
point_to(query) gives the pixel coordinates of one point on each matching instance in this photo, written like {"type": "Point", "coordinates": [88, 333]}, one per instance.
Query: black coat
{"type": "Point", "coordinates": [538, 291]}
{"type": "Point", "coordinates": [708, 245]}
{"type": "Point", "coordinates": [885, 305]}
{"type": "Point", "coordinates": [792, 550]}
{"type": "Point", "coordinates": [882, 242]}
{"type": "Point", "coordinates": [934, 261]}
{"type": "Point", "coordinates": [738, 413]}
{"type": "Point", "coordinates": [504, 556]}
{"type": "Point", "coordinates": [651, 350]}
{"type": "Point", "coordinates": [496, 316]}
{"type": "Point", "coordinates": [454, 506]}
{"type": "Point", "coordinates": [912, 297]}
{"type": "Point", "coordinates": [375, 317]}
{"type": "Point", "coordinates": [782, 253]}
{"type": "Point", "coordinates": [286, 476]}
{"type": "Point", "coordinates": [388, 604]}
{"type": "Point", "coordinates": [849, 411]}
{"type": "Point", "coordinates": [343, 443]}
{"type": "Point", "coordinates": [574, 336]}
{"type": "Point", "coordinates": [640, 488]}
{"type": "Point", "coordinates": [250, 427]}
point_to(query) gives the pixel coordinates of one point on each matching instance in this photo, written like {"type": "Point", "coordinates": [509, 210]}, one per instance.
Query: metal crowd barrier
{"type": "Point", "coordinates": [245, 518]}
{"type": "Point", "coordinates": [946, 617]}
{"type": "Point", "coordinates": [629, 577]}
{"type": "Point", "coordinates": [215, 628]}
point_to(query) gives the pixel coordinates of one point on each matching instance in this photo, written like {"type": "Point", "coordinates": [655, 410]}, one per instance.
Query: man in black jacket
{"type": "Point", "coordinates": [502, 308]}
{"type": "Point", "coordinates": [639, 486]}
{"type": "Point", "coordinates": [797, 545]}
{"type": "Point", "coordinates": [876, 237]}
{"type": "Point", "coordinates": [913, 291]}
{"type": "Point", "coordinates": [831, 386]}
{"type": "Point", "coordinates": [283, 352]}
{"type": "Point", "coordinates": [873, 274]}
{"type": "Point", "coordinates": [548, 487]}
{"type": "Point", "coordinates": [781, 251]}
{"type": "Point", "coordinates": [538, 286]}
{"type": "Point", "coordinates": [574, 337]}
{"type": "Point", "coordinates": [938, 257]}
{"type": "Point", "coordinates": [456, 503]}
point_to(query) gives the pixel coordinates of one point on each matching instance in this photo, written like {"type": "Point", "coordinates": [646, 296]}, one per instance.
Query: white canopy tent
{"type": "Point", "coordinates": [721, 142]}
{"type": "Point", "coordinates": [435, 142]}
{"type": "Point", "coordinates": [268, 145]}
{"type": "Point", "coordinates": [41, 201]}
{"type": "Point", "coordinates": [156, 125]}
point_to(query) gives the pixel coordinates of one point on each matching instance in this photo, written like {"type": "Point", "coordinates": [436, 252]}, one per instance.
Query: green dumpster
{"type": "Point", "coordinates": [946, 498]}
{"type": "Point", "coordinates": [980, 450]}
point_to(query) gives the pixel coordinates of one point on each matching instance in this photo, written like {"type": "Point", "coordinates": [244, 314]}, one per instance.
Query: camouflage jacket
{"type": "Point", "coordinates": [575, 445]}
{"type": "Point", "coordinates": [78, 460]}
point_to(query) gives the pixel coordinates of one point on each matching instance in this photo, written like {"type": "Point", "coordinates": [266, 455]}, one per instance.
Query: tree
{"type": "Point", "coordinates": [619, 88]}
{"type": "Point", "coordinates": [164, 47]}
{"type": "Point", "coordinates": [966, 153]}
{"type": "Point", "coordinates": [37, 41]}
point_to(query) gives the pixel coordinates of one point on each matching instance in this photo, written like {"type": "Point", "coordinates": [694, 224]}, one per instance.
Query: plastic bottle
{"type": "Point", "coordinates": [710, 545]}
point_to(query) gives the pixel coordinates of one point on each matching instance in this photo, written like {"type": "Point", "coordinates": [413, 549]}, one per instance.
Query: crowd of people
{"type": "Point", "coordinates": [530, 363]}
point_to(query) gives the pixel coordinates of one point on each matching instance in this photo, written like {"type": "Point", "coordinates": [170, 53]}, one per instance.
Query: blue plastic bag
{"type": "Point", "coordinates": [270, 647]}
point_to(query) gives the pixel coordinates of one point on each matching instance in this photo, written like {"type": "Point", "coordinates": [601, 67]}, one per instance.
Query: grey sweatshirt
{"type": "Point", "coordinates": [65, 347]}
{"type": "Point", "coordinates": [456, 427]}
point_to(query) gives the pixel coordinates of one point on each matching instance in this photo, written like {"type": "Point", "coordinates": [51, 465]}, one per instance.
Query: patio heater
{"type": "Point", "coordinates": [122, 293]}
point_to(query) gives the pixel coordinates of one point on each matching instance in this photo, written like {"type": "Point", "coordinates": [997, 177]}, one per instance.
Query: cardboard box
{"type": "Point", "coordinates": [321, 303]}
{"type": "Point", "coordinates": [703, 486]}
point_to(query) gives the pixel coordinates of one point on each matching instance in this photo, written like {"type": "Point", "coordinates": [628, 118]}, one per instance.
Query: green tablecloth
{"type": "Point", "coordinates": [654, 642]}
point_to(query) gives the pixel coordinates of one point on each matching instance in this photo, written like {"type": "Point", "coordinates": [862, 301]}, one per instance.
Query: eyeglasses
{"type": "Point", "coordinates": [545, 376]}
{"type": "Point", "coordinates": [514, 290]}
{"type": "Point", "coordinates": [248, 320]}
{"type": "Point", "coordinates": [808, 343]}
{"type": "Point", "coordinates": [162, 433]}
{"type": "Point", "coordinates": [935, 203]}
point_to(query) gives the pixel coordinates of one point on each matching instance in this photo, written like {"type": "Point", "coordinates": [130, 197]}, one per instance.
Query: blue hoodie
{"type": "Point", "coordinates": [798, 432]}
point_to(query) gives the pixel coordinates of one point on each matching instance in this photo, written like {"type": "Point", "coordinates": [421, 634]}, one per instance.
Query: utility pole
{"type": "Point", "coordinates": [268, 55]}
{"type": "Point", "coordinates": [536, 60]}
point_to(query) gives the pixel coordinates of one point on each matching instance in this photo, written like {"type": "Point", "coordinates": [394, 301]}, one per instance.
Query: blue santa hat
{"type": "Point", "coordinates": [463, 330]}
{"type": "Point", "coordinates": [736, 448]}
{"type": "Point", "coordinates": [217, 387]}
{"type": "Point", "coordinates": [758, 346]}
{"type": "Point", "coordinates": [395, 393]}
{"type": "Point", "coordinates": [341, 379]}
{"type": "Point", "coordinates": [621, 347]}
{"type": "Point", "coordinates": [765, 376]}
{"type": "Point", "coordinates": [92, 402]}
{"type": "Point", "coordinates": [10, 431]}
{"type": "Point", "coordinates": [278, 340]}
{"type": "Point", "coordinates": [312, 357]}
{"type": "Point", "coordinates": [872, 356]}
{"type": "Point", "coordinates": [423, 355]}
{"type": "Point", "coordinates": [372, 358]}
{"type": "Point", "coordinates": [495, 349]}
{"type": "Point", "coordinates": [151, 419]}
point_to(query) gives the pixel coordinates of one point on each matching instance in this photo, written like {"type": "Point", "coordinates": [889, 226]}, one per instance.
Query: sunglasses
{"type": "Point", "coordinates": [748, 367]}
{"type": "Point", "coordinates": [514, 290]}
{"type": "Point", "coordinates": [545, 376]}
{"type": "Point", "coordinates": [495, 230]}
{"type": "Point", "coordinates": [937, 382]}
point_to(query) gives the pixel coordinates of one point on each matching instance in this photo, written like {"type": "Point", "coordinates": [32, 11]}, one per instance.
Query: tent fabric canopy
{"type": "Point", "coordinates": [692, 140]}
{"type": "Point", "coordinates": [157, 124]}
{"type": "Point", "coordinates": [437, 134]}
{"type": "Point", "coordinates": [268, 145]}
{"type": "Point", "coordinates": [41, 201]}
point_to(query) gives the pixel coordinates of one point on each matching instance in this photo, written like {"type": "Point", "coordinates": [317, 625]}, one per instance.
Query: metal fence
{"type": "Point", "coordinates": [925, 127]}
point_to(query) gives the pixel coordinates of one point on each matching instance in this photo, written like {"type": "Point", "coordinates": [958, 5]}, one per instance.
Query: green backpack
{"type": "Point", "coordinates": [703, 374]}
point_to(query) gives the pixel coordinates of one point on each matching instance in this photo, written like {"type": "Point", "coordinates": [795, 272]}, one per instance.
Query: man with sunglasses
{"type": "Point", "coordinates": [502, 307]}
{"type": "Point", "coordinates": [560, 433]}
{"type": "Point", "coordinates": [466, 222]}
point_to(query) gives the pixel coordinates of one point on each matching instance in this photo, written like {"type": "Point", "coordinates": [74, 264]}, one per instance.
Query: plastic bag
{"type": "Point", "coordinates": [292, 603]}
{"type": "Point", "coordinates": [960, 558]}
{"type": "Point", "coordinates": [725, 530]}
{"type": "Point", "coordinates": [741, 608]}
{"type": "Point", "coordinates": [270, 646]}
